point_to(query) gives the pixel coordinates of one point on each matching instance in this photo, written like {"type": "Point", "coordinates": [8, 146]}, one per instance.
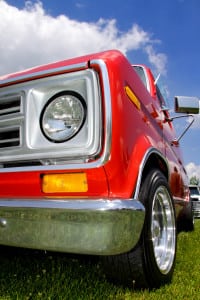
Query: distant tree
{"type": "Point", "coordinates": [194, 180]}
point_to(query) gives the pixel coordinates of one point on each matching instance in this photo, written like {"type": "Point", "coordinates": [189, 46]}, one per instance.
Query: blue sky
{"type": "Point", "coordinates": [162, 34]}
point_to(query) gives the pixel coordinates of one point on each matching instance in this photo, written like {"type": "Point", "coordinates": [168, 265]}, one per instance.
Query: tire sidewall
{"type": "Point", "coordinates": [152, 182]}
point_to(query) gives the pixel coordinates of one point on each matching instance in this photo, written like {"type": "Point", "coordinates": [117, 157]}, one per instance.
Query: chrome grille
{"type": "Point", "coordinates": [10, 106]}
{"type": "Point", "coordinates": [196, 207]}
{"type": "Point", "coordinates": [10, 116]}
{"type": "Point", "coordinates": [10, 138]}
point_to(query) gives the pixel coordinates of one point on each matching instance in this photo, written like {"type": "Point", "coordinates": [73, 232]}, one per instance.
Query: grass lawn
{"type": "Point", "coordinates": [26, 274]}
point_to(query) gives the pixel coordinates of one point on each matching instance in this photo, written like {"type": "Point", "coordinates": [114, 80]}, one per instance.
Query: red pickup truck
{"type": "Point", "coordinates": [90, 164]}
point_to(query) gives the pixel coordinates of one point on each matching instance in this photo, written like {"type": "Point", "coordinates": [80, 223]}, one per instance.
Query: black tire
{"type": "Point", "coordinates": [151, 263]}
{"type": "Point", "coordinates": [186, 219]}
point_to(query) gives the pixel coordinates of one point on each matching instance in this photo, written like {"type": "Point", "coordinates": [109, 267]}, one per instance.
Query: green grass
{"type": "Point", "coordinates": [34, 275]}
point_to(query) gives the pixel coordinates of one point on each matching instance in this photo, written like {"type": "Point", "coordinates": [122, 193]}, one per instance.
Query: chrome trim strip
{"type": "Point", "coordinates": [107, 109]}
{"type": "Point", "coordinates": [142, 165]}
{"type": "Point", "coordinates": [107, 131]}
{"type": "Point", "coordinates": [51, 72]}
{"type": "Point", "coordinates": [97, 204]}
{"type": "Point", "coordinates": [98, 227]}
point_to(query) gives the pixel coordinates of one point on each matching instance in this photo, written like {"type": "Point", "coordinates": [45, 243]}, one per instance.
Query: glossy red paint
{"type": "Point", "coordinates": [29, 184]}
{"type": "Point", "coordinates": [134, 132]}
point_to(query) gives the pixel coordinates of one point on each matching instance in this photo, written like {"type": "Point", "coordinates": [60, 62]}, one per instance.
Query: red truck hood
{"type": "Point", "coordinates": [78, 63]}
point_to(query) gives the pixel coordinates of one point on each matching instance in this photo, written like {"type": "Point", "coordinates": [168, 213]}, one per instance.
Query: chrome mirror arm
{"type": "Point", "coordinates": [176, 141]}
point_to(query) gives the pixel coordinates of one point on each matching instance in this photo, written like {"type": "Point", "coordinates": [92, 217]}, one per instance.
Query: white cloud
{"type": "Point", "coordinates": [30, 36]}
{"type": "Point", "coordinates": [159, 60]}
{"type": "Point", "coordinates": [193, 170]}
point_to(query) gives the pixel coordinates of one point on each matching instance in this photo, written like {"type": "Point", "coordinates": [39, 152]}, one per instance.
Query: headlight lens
{"type": "Point", "coordinates": [63, 116]}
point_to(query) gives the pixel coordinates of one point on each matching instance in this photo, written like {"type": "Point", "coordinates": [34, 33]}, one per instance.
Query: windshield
{"type": "Point", "coordinates": [162, 91]}
{"type": "Point", "coordinates": [194, 190]}
{"type": "Point", "coordinates": [140, 71]}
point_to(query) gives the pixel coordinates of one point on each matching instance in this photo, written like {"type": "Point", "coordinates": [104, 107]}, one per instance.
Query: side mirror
{"type": "Point", "coordinates": [188, 105]}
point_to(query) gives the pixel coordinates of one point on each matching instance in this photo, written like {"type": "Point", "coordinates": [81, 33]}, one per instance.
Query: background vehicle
{"type": "Point", "coordinates": [90, 164]}
{"type": "Point", "coordinates": [195, 198]}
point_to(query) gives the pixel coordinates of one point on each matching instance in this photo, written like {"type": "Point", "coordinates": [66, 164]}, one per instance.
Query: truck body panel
{"type": "Point", "coordinates": [87, 185]}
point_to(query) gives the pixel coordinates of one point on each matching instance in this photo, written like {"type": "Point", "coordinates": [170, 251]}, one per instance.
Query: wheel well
{"type": "Point", "coordinates": [155, 162]}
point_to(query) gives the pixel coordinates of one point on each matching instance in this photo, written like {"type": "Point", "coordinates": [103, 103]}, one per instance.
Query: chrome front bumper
{"type": "Point", "coordinates": [196, 208]}
{"type": "Point", "coordinates": [97, 227]}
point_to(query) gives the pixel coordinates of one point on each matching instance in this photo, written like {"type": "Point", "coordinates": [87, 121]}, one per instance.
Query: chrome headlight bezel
{"type": "Point", "coordinates": [35, 149]}
{"type": "Point", "coordinates": [63, 116]}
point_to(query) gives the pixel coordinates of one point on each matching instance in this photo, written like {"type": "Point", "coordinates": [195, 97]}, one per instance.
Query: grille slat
{"type": "Point", "coordinates": [9, 141]}
{"type": "Point", "coordinates": [10, 116]}
{"type": "Point", "coordinates": [10, 138]}
{"type": "Point", "coordinates": [9, 111]}
{"type": "Point", "coordinates": [10, 106]}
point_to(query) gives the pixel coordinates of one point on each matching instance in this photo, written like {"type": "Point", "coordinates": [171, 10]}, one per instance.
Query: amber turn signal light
{"type": "Point", "coordinates": [64, 183]}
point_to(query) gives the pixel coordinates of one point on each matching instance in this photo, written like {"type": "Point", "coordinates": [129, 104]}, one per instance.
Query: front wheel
{"type": "Point", "coordinates": [151, 263]}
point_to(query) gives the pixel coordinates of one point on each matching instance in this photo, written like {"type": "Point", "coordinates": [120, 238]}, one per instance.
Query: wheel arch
{"type": "Point", "coordinates": [152, 159]}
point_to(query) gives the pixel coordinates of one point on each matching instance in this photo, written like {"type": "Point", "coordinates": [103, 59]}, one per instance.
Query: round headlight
{"type": "Point", "coordinates": [63, 116]}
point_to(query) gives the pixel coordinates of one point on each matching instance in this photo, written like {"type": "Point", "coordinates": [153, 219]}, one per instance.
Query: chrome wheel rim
{"type": "Point", "coordinates": [163, 230]}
